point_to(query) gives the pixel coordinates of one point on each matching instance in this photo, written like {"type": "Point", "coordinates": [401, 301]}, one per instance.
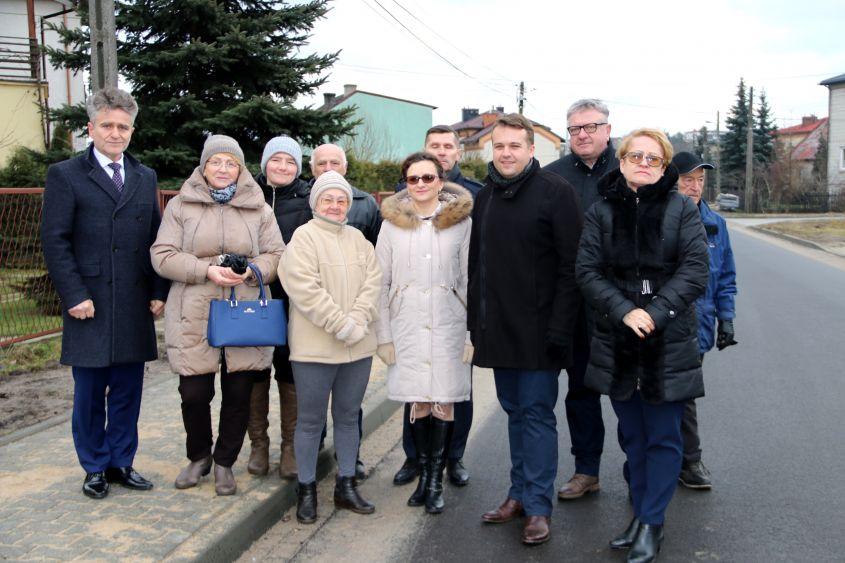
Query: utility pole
{"type": "Point", "coordinates": [718, 157]}
{"type": "Point", "coordinates": [521, 99]}
{"type": "Point", "coordinates": [103, 44]}
{"type": "Point", "coordinates": [749, 153]}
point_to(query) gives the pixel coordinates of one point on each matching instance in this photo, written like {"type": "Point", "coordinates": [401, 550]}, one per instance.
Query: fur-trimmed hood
{"type": "Point", "coordinates": [456, 206]}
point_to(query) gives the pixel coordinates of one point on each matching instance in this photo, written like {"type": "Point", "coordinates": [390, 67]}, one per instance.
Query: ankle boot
{"type": "Point", "coordinates": [421, 433]}
{"type": "Point", "coordinates": [190, 476]}
{"type": "Point", "coordinates": [306, 503]}
{"type": "Point", "coordinates": [259, 408]}
{"type": "Point", "coordinates": [346, 496]}
{"type": "Point", "coordinates": [626, 538]}
{"type": "Point", "coordinates": [646, 544]}
{"type": "Point", "coordinates": [287, 404]}
{"type": "Point", "coordinates": [224, 481]}
{"type": "Point", "coordinates": [437, 460]}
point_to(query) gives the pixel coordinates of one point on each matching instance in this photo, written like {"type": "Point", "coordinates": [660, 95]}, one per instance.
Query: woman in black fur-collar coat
{"type": "Point", "coordinates": [641, 265]}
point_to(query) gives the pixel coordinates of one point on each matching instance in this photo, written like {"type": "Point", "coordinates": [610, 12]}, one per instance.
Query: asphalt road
{"type": "Point", "coordinates": [772, 427]}
{"type": "Point", "coordinates": [773, 434]}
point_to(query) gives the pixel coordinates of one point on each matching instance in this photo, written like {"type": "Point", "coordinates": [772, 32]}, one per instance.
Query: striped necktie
{"type": "Point", "coordinates": [116, 177]}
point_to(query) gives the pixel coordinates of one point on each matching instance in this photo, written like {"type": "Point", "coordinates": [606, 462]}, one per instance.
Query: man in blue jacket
{"type": "Point", "coordinates": [716, 305]}
{"type": "Point", "coordinates": [100, 217]}
{"type": "Point", "coordinates": [442, 142]}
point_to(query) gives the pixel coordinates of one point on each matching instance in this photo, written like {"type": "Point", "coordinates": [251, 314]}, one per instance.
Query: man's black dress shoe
{"type": "Point", "coordinates": [407, 473]}
{"type": "Point", "coordinates": [458, 475]}
{"type": "Point", "coordinates": [128, 477]}
{"type": "Point", "coordinates": [95, 485]}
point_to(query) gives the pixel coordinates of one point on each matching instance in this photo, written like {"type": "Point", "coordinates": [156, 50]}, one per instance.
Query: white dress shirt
{"type": "Point", "coordinates": [105, 161]}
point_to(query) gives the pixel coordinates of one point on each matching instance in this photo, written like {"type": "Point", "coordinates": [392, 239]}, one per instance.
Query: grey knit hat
{"type": "Point", "coordinates": [327, 181]}
{"type": "Point", "coordinates": [282, 144]}
{"type": "Point", "coordinates": [216, 144]}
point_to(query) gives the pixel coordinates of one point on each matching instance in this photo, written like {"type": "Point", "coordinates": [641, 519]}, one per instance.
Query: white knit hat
{"type": "Point", "coordinates": [328, 180]}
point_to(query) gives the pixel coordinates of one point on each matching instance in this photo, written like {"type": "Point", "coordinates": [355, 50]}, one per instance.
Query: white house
{"type": "Point", "coordinates": [28, 83]}
{"type": "Point", "coordinates": [836, 134]}
{"type": "Point", "coordinates": [476, 133]}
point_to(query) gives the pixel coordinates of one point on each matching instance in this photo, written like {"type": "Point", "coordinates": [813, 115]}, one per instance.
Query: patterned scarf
{"type": "Point", "coordinates": [503, 182]}
{"type": "Point", "coordinates": [224, 195]}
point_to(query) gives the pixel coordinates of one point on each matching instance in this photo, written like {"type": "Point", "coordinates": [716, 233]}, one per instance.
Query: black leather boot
{"type": "Point", "coordinates": [626, 538]}
{"type": "Point", "coordinates": [646, 545]}
{"type": "Point", "coordinates": [421, 433]}
{"type": "Point", "coordinates": [306, 503]}
{"type": "Point", "coordinates": [434, 499]}
{"type": "Point", "coordinates": [346, 496]}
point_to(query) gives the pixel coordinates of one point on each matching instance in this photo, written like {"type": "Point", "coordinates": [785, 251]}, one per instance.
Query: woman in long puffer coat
{"type": "Point", "coordinates": [220, 210]}
{"type": "Point", "coordinates": [423, 248]}
{"type": "Point", "coordinates": [641, 265]}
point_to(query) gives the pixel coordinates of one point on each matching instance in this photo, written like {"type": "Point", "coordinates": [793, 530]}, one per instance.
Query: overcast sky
{"type": "Point", "coordinates": [667, 64]}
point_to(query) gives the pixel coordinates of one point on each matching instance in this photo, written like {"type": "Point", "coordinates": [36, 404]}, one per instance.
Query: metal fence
{"type": "Point", "coordinates": [29, 306]}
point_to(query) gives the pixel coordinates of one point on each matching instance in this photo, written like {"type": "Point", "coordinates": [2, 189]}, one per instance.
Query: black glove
{"type": "Point", "coordinates": [725, 337]}
{"type": "Point", "coordinates": [238, 262]}
{"type": "Point", "coordinates": [557, 347]}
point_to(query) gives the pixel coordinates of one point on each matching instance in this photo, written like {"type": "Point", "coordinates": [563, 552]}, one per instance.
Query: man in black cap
{"type": "Point", "coordinates": [717, 304]}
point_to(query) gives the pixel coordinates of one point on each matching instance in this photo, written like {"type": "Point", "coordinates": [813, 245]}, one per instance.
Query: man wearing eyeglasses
{"type": "Point", "coordinates": [442, 142]}
{"type": "Point", "coordinates": [592, 156]}
{"type": "Point", "coordinates": [717, 304]}
{"type": "Point", "coordinates": [522, 306]}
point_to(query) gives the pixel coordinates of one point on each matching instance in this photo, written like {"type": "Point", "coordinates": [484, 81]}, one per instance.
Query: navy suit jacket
{"type": "Point", "coordinates": [96, 244]}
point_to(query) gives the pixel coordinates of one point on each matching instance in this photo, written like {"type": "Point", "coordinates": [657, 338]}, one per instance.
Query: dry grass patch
{"type": "Point", "coordinates": [830, 231]}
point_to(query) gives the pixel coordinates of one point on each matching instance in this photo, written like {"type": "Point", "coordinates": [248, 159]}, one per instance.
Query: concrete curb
{"type": "Point", "coordinates": [230, 534]}
{"type": "Point", "coordinates": [790, 238]}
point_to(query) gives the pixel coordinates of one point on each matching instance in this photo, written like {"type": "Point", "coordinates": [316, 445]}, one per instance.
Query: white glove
{"type": "Point", "coordinates": [387, 353]}
{"type": "Point", "coordinates": [346, 329]}
{"type": "Point", "coordinates": [468, 353]}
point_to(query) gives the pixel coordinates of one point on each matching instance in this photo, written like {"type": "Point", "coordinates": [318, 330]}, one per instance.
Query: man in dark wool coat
{"type": "Point", "coordinates": [100, 217]}
{"type": "Point", "coordinates": [522, 306]}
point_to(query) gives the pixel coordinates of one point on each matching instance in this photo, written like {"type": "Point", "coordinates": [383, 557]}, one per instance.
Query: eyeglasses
{"type": "Point", "coordinates": [341, 201]}
{"type": "Point", "coordinates": [637, 158]}
{"type": "Point", "coordinates": [227, 164]}
{"type": "Point", "coordinates": [587, 127]}
{"type": "Point", "coordinates": [426, 179]}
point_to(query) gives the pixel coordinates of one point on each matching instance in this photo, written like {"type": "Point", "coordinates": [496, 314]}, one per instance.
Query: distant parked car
{"type": "Point", "coordinates": [727, 202]}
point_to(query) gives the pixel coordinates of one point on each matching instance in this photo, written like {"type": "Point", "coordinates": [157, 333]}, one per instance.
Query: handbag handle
{"type": "Point", "coordinates": [262, 296]}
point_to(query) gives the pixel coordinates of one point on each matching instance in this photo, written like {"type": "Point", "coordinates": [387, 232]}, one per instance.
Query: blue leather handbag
{"type": "Point", "coordinates": [247, 323]}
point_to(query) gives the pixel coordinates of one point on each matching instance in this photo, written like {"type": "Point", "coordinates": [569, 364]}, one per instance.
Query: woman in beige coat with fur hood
{"type": "Point", "coordinates": [219, 210]}
{"type": "Point", "coordinates": [422, 329]}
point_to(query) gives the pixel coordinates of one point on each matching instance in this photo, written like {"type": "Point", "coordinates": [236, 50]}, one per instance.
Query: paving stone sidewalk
{"type": "Point", "coordinates": [44, 515]}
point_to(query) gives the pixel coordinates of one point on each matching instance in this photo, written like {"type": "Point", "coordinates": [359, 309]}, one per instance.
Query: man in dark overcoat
{"type": "Point", "coordinates": [592, 156]}
{"type": "Point", "coordinates": [100, 217]}
{"type": "Point", "coordinates": [522, 306]}
{"type": "Point", "coordinates": [442, 142]}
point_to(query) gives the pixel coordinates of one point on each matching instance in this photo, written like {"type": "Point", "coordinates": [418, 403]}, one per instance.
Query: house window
{"type": "Point", "coordinates": [842, 158]}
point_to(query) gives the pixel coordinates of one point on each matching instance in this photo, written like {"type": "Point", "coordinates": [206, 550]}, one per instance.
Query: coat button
{"type": "Point", "coordinates": [671, 314]}
{"type": "Point", "coordinates": [114, 249]}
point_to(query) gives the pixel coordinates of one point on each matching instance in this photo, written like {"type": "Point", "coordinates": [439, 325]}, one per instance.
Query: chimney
{"type": "Point", "coordinates": [468, 113]}
{"type": "Point", "coordinates": [500, 109]}
{"type": "Point", "coordinates": [488, 118]}
{"type": "Point", "coordinates": [328, 97]}
{"type": "Point", "coordinates": [349, 88]}
{"type": "Point", "coordinates": [808, 119]}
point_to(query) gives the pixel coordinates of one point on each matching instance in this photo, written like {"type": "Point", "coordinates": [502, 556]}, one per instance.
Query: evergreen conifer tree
{"type": "Point", "coordinates": [764, 133]}
{"type": "Point", "coordinates": [734, 141]}
{"type": "Point", "coordinates": [212, 66]}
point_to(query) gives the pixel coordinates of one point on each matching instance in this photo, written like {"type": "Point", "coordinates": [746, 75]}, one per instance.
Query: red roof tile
{"type": "Point", "coordinates": [802, 128]}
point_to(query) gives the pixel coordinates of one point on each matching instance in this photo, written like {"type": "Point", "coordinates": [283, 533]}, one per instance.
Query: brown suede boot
{"type": "Point", "coordinates": [259, 407]}
{"type": "Point", "coordinates": [287, 398]}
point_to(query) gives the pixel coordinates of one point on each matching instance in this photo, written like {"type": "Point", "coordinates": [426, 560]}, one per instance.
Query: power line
{"type": "Point", "coordinates": [433, 50]}
{"type": "Point", "coordinates": [418, 38]}
{"type": "Point", "coordinates": [446, 39]}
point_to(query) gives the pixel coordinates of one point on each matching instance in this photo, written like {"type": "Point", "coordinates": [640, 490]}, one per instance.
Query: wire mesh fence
{"type": "Point", "coordinates": [29, 305]}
